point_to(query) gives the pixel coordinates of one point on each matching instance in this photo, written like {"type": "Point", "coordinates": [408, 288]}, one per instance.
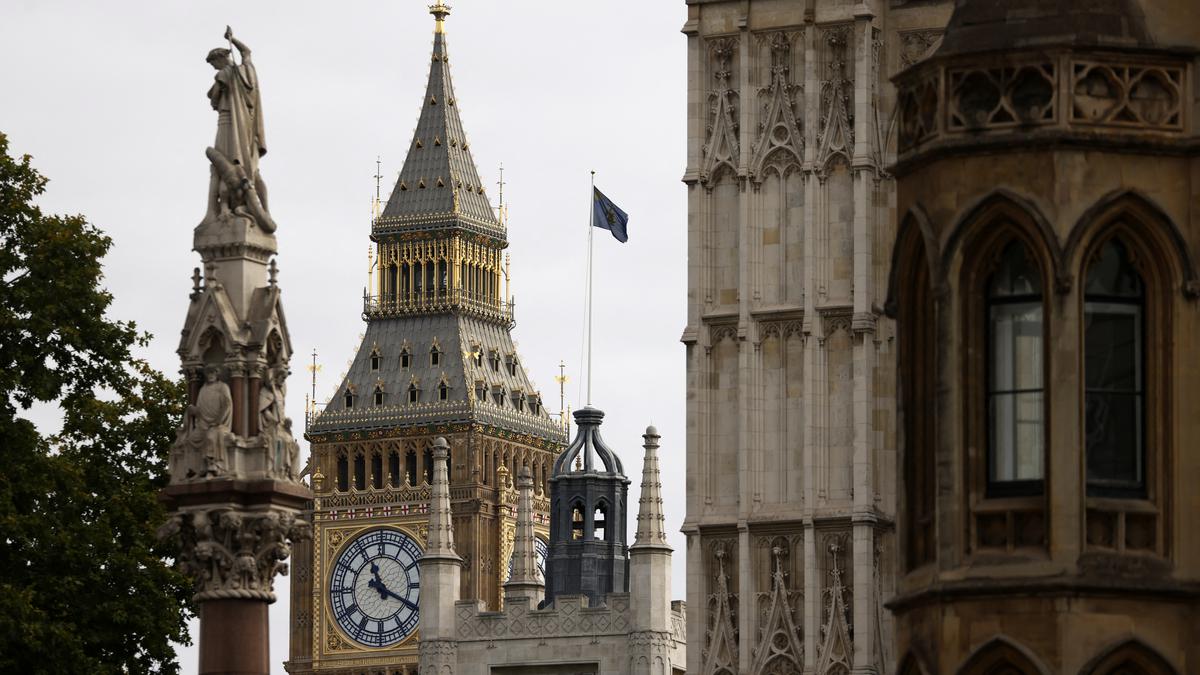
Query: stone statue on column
{"type": "Point", "coordinates": [235, 185]}
{"type": "Point", "coordinates": [234, 500]}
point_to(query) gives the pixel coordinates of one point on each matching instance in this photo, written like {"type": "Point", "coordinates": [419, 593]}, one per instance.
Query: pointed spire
{"type": "Point", "coordinates": [439, 185]}
{"type": "Point", "coordinates": [524, 580]}
{"type": "Point", "coordinates": [651, 523]}
{"type": "Point", "coordinates": [440, 543]}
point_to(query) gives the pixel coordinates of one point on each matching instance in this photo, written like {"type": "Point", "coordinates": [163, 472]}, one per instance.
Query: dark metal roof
{"type": "Point", "coordinates": [588, 447]}
{"type": "Point", "coordinates": [458, 337]}
{"type": "Point", "coordinates": [988, 25]}
{"type": "Point", "coordinates": [439, 186]}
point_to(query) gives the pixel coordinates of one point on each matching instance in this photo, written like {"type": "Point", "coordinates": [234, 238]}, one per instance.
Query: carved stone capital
{"type": "Point", "coordinates": [233, 553]}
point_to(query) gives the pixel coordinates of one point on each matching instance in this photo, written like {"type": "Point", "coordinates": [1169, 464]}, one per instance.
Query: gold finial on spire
{"type": "Point", "coordinates": [439, 12]}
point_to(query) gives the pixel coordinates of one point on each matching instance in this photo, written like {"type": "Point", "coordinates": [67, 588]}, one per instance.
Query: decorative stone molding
{"type": "Point", "coordinates": [1022, 93]}
{"type": "Point", "coordinates": [780, 142]}
{"type": "Point", "coordinates": [722, 129]}
{"type": "Point", "coordinates": [835, 133]}
{"type": "Point", "coordinates": [916, 45]}
{"type": "Point", "coordinates": [235, 554]}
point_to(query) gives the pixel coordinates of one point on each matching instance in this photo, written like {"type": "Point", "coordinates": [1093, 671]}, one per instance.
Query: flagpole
{"type": "Point", "coordinates": [591, 229]}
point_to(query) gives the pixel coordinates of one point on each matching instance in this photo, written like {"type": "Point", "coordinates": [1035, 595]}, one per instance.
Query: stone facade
{"type": "Point", "coordinates": [790, 363]}
{"type": "Point", "coordinates": [1045, 285]}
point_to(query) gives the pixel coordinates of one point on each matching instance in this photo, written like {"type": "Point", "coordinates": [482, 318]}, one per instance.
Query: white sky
{"type": "Point", "coordinates": [109, 99]}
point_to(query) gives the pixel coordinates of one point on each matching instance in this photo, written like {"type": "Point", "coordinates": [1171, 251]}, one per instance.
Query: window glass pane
{"type": "Point", "coordinates": [1111, 337]}
{"type": "Point", "coordinates": [1017, 438]}
{"type": "Point", "coordinates": [1114, 439]}
{"type": "Point", "coordinates": [1016, 346]}
{"type": "Point", "coordinates": [1015, 370]}
{"type": "Point", "coordinates": [1113, 353]}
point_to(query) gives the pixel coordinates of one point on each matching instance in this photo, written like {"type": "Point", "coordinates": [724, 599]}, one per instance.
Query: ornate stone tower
{"type": "Point", "coordinates": [633, 629]}
{"type": "Point", "coordinates": [234, 495]}
{"type": "Point", "coordinates": [1045, 287]}
{"type": "Point", "coordinates": [588, 554]}
{"type": "Point", "coordinates": [437, 360]}
{"type": "Point", "coordinates": [790, 406]}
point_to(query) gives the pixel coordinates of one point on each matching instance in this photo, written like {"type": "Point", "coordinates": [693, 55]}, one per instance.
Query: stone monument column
{"type": "Point", "coordinates": [234, 509]}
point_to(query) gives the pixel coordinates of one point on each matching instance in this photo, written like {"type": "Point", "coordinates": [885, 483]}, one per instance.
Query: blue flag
{"type": "Point", "coordinates": [609, 216]}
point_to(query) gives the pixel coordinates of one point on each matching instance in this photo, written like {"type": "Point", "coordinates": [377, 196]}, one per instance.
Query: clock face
{"type": "Point", "coordinates": [540, 550]}
{"type": "Point", "coordinates": [374, 588]}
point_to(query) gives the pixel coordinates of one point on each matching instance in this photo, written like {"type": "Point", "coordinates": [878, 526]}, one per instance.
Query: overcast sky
{"type": "Point", "coordinates": [109, 99]}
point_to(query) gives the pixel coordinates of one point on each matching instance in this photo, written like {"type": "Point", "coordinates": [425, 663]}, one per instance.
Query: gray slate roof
{"type": "Point", "coordinates": [386, 339]}
{"type": "Point", "coordinates": [439, 153]}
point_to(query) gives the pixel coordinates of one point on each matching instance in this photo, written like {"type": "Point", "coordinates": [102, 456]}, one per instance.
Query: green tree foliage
{"type": "Point", "coordinates": [84, 582]}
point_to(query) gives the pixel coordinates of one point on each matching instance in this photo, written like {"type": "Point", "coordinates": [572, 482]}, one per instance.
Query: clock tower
{"type": "Point", "coordinates": [437, 360]}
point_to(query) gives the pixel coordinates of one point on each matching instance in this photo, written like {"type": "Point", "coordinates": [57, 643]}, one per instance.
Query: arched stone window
{"type": "Point", "coordinates": [1005, 278]}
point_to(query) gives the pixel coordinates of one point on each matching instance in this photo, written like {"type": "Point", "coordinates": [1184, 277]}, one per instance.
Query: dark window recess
{"type": "Point", "coordinates": [349, 399]}
{"type": "Point", "coordinates": [376, 470]}
{"type": "Point", "coordinates": [1114, 301]}
{"type": "Point", "coordinates": [429, 466]}
{"type": "Point", "coordinates": [378, 397]}
{"type": "Point", "coordinates": [518, 400]}
{"type": "Point", "coordinates": [410, 467]}
{"type": "Point", "coordinates": [435, 357]}
{"type": "Point", "coordinates": [360, 473]}
{"type": "Point", "coordinates": [374, 362]}
{"type": "Point", "coordinates": [343, 473]}
{"type": "Point", "coordinates": [394, 469]}
{"type": "Point", "coordinates": [599, 522]}
{"type": "Point", "coordinates": [480, 391]}
{"type": "Point", "coordinates": [512, 365]}
{"type": "Point", "coordinates": [535, 405]}
{"type": "Point", "coordinates": [498, 395]}
{"type": "Point", "coordinates": [405, 359]}
{"type": "Point", "coordinates": [1015, 390]}
{"type": "Point", "coordinates": [477, 355]}
{"type": "Point", "coordinates": [413, 393]}
{"type": "Point", "coordinates": [443, 392]}
{"type": "Point", "coordinates": [494, 360]}
{"type": "Point", "coordinates": [577, 521]}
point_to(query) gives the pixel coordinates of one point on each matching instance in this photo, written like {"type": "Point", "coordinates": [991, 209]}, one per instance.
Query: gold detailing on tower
{"type": "Point", "coordinates": [439, 11]}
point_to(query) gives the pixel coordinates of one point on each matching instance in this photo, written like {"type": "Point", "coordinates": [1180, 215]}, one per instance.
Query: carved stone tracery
{"type": "Point", "coordinates": [721, 147]}
{"type": "Point", "coordinates": [720, 653]}
{"type": "Point", "coordinates": [780, 142]}
{"type": "Point", "coordinates": [836, 127]}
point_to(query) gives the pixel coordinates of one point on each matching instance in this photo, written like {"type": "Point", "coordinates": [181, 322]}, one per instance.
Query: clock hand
{"type": "Point", "coordinates": [378, 585]}
{"type": "Point", "coordinates": [408, 603]}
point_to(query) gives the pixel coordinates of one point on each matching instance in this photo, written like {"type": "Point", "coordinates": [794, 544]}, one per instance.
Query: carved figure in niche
{"type": "Point", "coordinates": [283, 452]}
{"type": "Point", "coordinates": [235, 185]}
{"type": "Point", "coordinates": [210, 421]}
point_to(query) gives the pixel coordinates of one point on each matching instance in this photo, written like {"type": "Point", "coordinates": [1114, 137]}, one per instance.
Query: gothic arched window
{"type": "Point", "coordinates": [394, 468]}
{"type": "Point", "coordinates": [376, 470]}
{"type": "Point", "coordinates": [1114, 377]}
{"type": "Point", "coordinates": [1015, 388]}
{"type": "Point", "coordinates": [360, 472]}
